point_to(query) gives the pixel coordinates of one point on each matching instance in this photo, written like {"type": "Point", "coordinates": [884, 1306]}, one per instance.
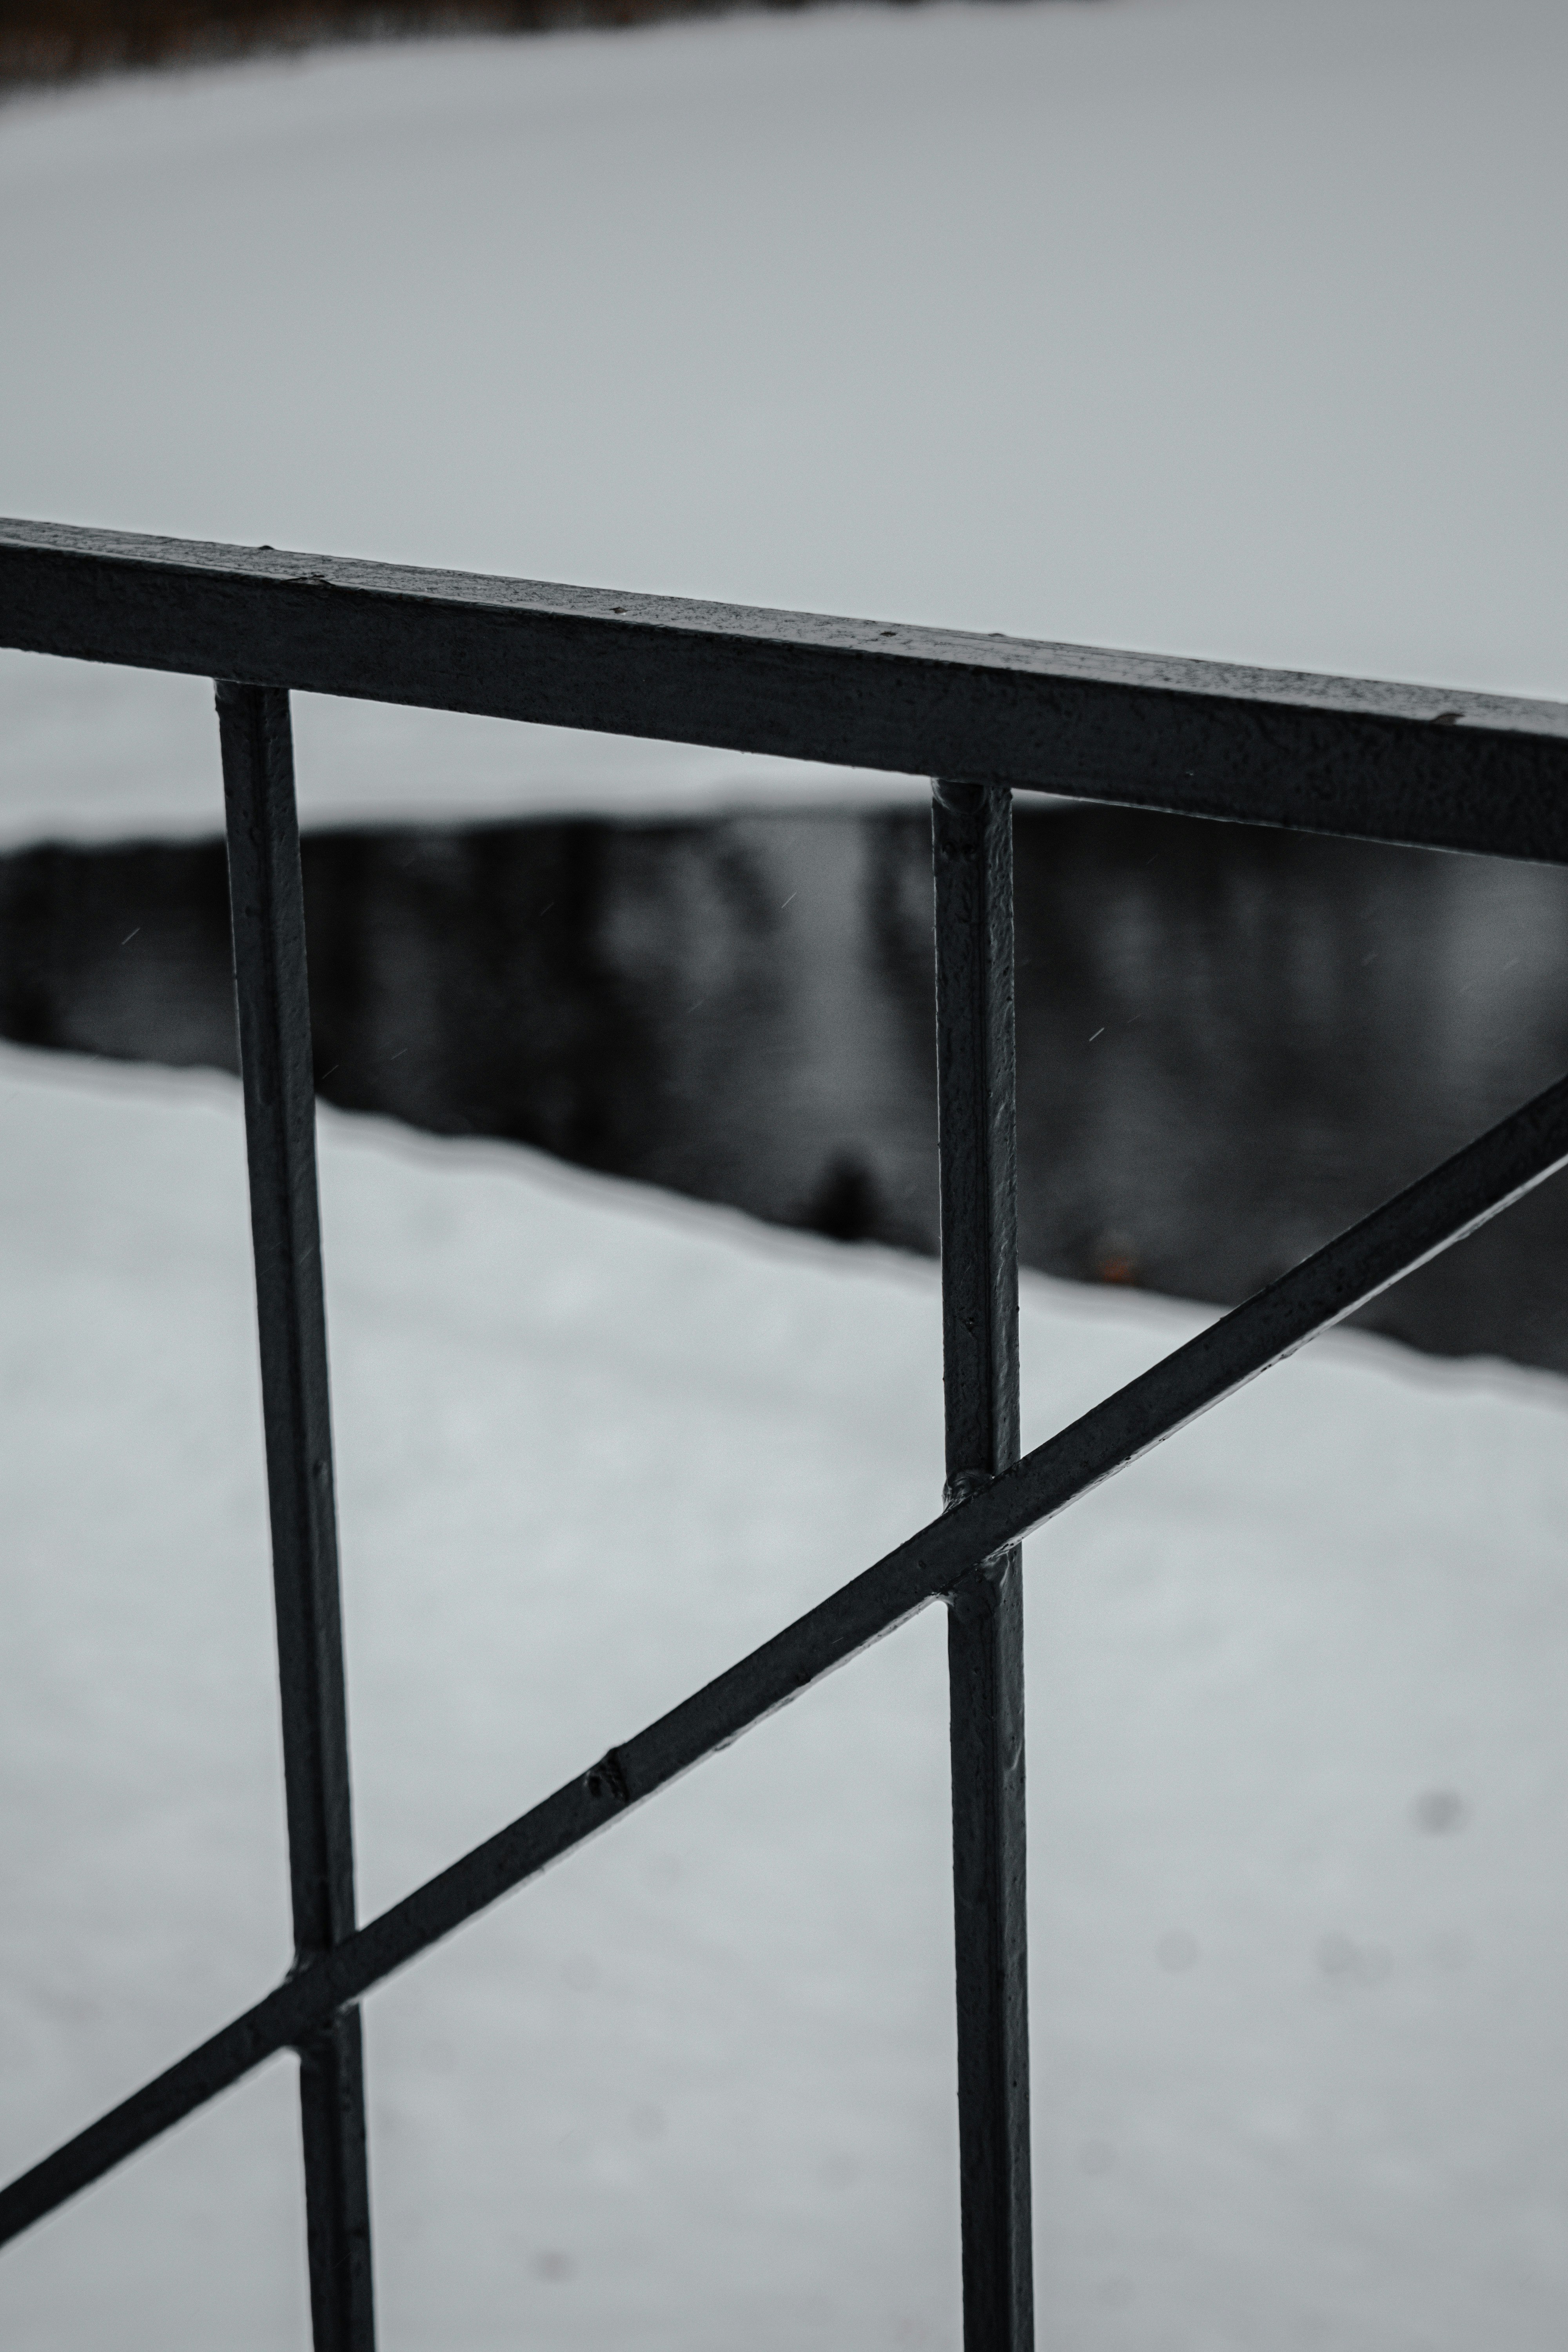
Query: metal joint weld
{"type": "Point", "coordinates": [608, 1778]}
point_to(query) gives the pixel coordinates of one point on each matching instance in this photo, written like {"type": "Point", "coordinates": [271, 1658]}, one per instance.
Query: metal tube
{"type": "Point", "coordinates": [267, 908]}
{"type": "Point", "coordinates": [1487, 1177]}
{"type": "Point", "coordinates": [972, 846]}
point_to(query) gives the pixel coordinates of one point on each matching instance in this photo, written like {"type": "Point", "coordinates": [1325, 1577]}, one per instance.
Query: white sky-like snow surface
{"type": "Point", "coordinates": [1227, 327]}
{"type": "Point", "coordinates": [1300, 2059]}
{"type": "Point", "coordinates": [1221, 327]}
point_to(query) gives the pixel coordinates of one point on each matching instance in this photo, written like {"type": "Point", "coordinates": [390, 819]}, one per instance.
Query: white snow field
{"type": "Point", "coordinates": [1298, 1767]}
{"type": "Point", "coordinates": [1225, 326]}
{"type": "Point", "coordinates": [1229, 327]}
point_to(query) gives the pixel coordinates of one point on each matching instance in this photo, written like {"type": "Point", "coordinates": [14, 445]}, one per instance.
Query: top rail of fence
{"type": "Point", "coordinates": [1403, 763]}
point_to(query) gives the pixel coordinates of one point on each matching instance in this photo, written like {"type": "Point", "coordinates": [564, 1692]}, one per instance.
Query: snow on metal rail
{"type": "Point", "coordinates": [985, 715]}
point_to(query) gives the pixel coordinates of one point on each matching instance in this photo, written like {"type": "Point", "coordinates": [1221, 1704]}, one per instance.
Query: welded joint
{"type": "Point", "coordinates": [974, 1594]}
{"type": "Point", "coordinates": [319, 2036]}
{"type": "Point", "coordinates": [606, 1782]}
{"type": "Point", "coordinates": [977, 1596]}
{"type": "Point", "coordinates": [961, 1485]}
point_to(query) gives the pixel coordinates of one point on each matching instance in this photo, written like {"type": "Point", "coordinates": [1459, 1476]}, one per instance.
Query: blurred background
{"type": "Point", "coordinates": [1233, 1042]}
{"type": "Point", "coordinates": [1221, 328]}
{"type": "Point", "coordinates": [1201, 327]}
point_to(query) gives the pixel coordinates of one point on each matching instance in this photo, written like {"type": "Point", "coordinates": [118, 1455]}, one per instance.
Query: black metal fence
{"type": "Point", "coordinates": [987, 716]}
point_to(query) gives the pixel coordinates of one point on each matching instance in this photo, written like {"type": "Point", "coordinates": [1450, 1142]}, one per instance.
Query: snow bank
{"type": "Point", "coordinates": [1225, 326]}
{"type": "Point", "coordinates": [1298, 1774]}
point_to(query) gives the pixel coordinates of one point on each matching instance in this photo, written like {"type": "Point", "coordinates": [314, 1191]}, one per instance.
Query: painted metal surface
{"type": "Point", "coordinates": [1404, 763]}
{"type": "Point", "coordinates": [267, 915]}
{"type": "Point", "coordinates": [1393, 763]}
{"type": "Point", "coordinates": [972, 856]}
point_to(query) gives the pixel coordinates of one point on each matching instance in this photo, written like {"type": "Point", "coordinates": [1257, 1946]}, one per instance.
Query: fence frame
{"type": "Point", "coordinates": [986, 716]}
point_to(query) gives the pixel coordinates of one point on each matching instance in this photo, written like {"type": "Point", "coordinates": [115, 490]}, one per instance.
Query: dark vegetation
{"type": "Point", "coordinates": [56, 40]}
{"type": "Point", "coordinates": [1232, 1041]}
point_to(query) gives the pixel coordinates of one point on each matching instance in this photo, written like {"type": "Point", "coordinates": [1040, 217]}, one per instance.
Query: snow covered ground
{"type": "Point", "coordinates": [1225, 326]}
{"type": "Point", "coordinates": [1221, 326]}
{"type": "Point", "coordinates": [1297, 1775]}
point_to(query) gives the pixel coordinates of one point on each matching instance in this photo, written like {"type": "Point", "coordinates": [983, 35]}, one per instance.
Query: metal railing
{"type": "Point", "coordinates": [987, 716]}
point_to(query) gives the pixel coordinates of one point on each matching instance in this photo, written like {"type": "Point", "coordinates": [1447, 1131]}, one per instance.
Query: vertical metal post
{"type": "Point", "coordinates": [267, 908]}
{"type": "Point", "coordinates": [972, 840]}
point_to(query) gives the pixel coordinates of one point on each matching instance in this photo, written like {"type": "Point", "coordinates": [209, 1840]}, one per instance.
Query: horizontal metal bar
{"type": "Point", "coordinates": [1405, 763]}
{"type": "Point", "coordinates": [1489, 1175]}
